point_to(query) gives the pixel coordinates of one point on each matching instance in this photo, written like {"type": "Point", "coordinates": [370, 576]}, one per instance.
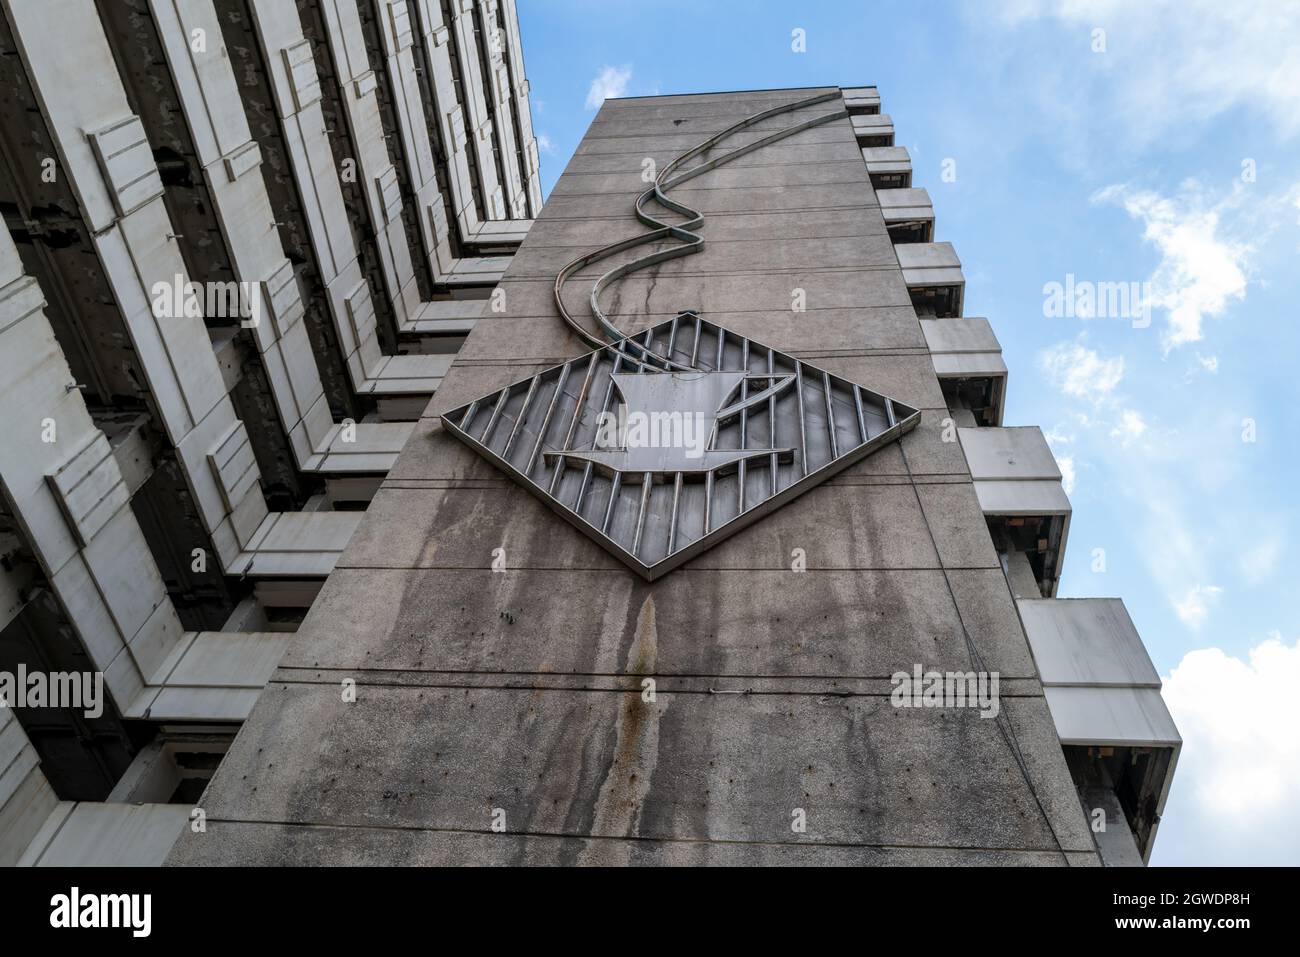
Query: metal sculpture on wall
{"type": "Point", "coordinates": [658, 465]}
{"type": "Point", "coordinates": [661, 444]}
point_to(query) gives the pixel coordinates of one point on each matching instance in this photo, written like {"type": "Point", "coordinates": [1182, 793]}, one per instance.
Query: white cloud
{"type": "Point", "coordinates": [1058, 435]}
{"type": "Point", "coordinates": [1235, 797]}
{"type": "Point", "coordinates": [1079, 371]}
{"type": "Point", "coordinates": [1170, 64]}
{"type": "Point", "coordinates": [1193, 608]}
{"type": "Point", "coordinates": [1208, 363]}
{"type": "Point", "coordinates": [1200, 270]}
{"type": "Point", "coordinates": [1130, 427]}
{"type": "Point", "coordinates": [1068, 474]}
{"type": "Point", "coordinates": [610, 81]}
{"type": "Point", "coordinates": [544, 144]}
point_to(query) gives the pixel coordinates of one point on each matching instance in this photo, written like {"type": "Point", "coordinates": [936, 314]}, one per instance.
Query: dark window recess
{"type": "Point", "coordinates": [459, 85]}
{"type": "Point", "coordinates": [411, 211]}
{"type": "Point", "coordinates": [891, 180]}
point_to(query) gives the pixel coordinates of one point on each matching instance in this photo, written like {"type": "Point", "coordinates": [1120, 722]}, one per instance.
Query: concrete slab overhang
{"type": "Point", "coordinates": [1101, 687]}
{"type": "Point", "coordinates": [861, 99]}
{"type": "Point", "coordinates": [873, 129]}
{"type": "Point", "coordinates": [37, 829]}
{"type": "Point", "coordinates": [908, 214]}
{"type": "Point", "coordinates": [967, 354]}
{"type": "Point", "coordinates": [1018, 484]}
{"type": "Point", "coordinates": [888, 166]}
{"type": "Point", "coordinates": [934, 278]}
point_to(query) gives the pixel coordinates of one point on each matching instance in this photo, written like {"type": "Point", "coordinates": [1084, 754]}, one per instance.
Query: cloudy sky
{"type": "Point", "coordinates": [1154, 143]}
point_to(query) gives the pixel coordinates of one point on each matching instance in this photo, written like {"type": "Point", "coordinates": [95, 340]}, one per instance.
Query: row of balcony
{"type": "Point", "coordinates": [179, 485]}
{"type": "Point", "coordinates": [1101, 687]}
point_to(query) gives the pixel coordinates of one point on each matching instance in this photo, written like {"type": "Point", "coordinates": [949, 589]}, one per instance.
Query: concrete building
{"type": "Point", "coordinates": [331, 633]}
{"type": "Point", "coordinates": [243, 240]}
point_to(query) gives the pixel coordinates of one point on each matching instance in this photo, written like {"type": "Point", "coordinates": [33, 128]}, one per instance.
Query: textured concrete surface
{"type": "Point", "coordinates": [516, 697]}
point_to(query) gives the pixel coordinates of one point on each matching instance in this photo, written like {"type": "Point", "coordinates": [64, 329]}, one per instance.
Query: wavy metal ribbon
{"type": "Point", "coordinates": [692, 242]}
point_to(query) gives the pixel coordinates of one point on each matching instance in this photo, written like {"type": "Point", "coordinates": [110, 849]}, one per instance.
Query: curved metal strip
{"type": "Point", "coordinates": [661, 231]}
{"type": "Point", "coordinates": [777, 387]}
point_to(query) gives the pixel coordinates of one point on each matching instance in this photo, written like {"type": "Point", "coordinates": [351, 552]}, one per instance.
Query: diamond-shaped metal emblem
{"type": "Point", "coordinates": [658, 462]}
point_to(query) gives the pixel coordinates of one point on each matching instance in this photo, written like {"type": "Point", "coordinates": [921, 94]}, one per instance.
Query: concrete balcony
{"type": "Point", "coordinates": [861, 100]}
{"type": "Point", "coordinates": [37, 829]}
{"type": "Point", "coordinates": [873, 130]}
{"type": "Point", "coordinates": [1104, 695]}
{"type": "Point", "coordinates": [934, 278]}
{"type": "Point", "coordinates": [967, 359]}
{"type": "Point", "coordinates": [89, 834]}
{"type": "Point", "coordinates": [215, 676]}
{"type": "Point", "coordinates": [889, 166]}
{"type": "Point", "coordinates": [908, 213]}
{"type": "Point", "coordinates": [1018, 485]}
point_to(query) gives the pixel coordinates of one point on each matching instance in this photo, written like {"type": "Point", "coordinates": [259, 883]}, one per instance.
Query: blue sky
{"type": "Point", "coordinates": [1162, 150]}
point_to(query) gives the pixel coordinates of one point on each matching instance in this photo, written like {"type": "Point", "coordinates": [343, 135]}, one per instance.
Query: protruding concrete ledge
{"type": "Point", "coordinates": [934, 278]}
{"type": "Point", "coordinates": [216, 676]}
{"type": "Point", "coordinates": [1104, 696]}
{"type": "Point", "coordinates": [862, 99]}
{"type": "Point", "coordinates": [84, 834]}
{"type": "Point", "coordinates": [889, 166]}
{"type": "Point", "coordinates": [1019, 485]}
{"type": "Point", "coordinates": [447, 317]}
{"type": "Point", "coordinates": [39, 830]}
{"type": "Point", "coordinates": [909, 214]}
{"type": "Point", "coordinates": [968, 361]}
{"type": "Point", "coordinates": [873, 130]}
{"type": "Point", "coordinates": [296, 544]}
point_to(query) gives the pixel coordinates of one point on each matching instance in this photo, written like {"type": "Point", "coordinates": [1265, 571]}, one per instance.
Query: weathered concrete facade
{"type": "Point", "coordinates": [520, 697]}
{"type": "Point", "coordinates": [242, 240]}
{"type": "Point", "coordinates": [477, 681]}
